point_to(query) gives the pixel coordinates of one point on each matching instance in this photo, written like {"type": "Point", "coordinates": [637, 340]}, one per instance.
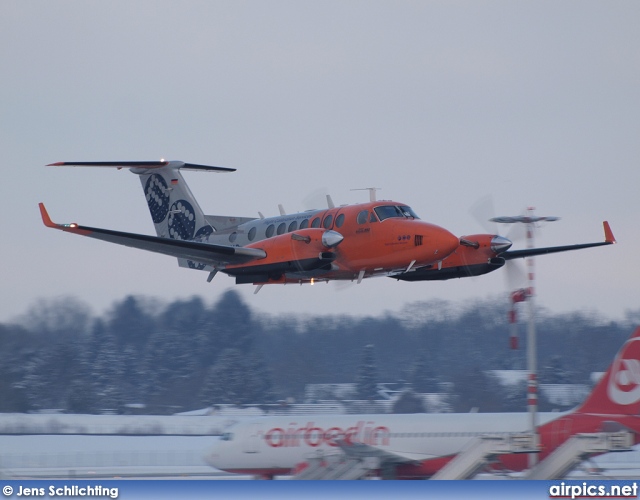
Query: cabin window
{"type": "Point", "coordinates": [339, 220]}
{"type": "Point", "coordinates": [372, 217]}
{"type": "Point", "coordinates": [252, 233]}
{"type": "Point", "coordinates": [270, 230]}
{"type": "Point", "coordinates": [362, 217]}
{"type": "Point", "coordinates": [281, 227]}
{"type": "Point", "coordinates": [315, 222]}
{"type": "Point", "coordinates": [326, 223]}
{"type": "Point", "coordinates": [304, 224]}
{"type": "Point", "coordinates": [293, 226]}
{"type": "Point", "coordinates": [233, 236]}
{"type": "Point", "coordinates": [227, 436]}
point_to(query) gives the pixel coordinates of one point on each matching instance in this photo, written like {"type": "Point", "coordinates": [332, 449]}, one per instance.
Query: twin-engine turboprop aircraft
{"type": "Point", "coordinates": [351, 242]}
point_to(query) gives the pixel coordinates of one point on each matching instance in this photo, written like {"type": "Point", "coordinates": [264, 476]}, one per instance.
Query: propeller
{"type": "Point", "coordinates": [316, 200]}
{"type": "Point", "coordinates": [483, 211]}
{"type": "Point", "coordinates": [331, 238]}
{"type": "Point", "coordinates": [330, 241]}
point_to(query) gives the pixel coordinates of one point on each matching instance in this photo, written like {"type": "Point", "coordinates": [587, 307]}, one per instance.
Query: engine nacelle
{"type": "Point", "coordinates": [295, 252]}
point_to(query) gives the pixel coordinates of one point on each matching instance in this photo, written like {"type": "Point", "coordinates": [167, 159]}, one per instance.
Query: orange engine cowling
{"type": "Point", "coordinates": [476, 255]}
{"type": "Point", "coordinates": [299, 251]}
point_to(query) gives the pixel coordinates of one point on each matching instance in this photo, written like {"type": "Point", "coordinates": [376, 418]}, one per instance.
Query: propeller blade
{"type": "Point", "coordinates": [516, 276]}
{"type": "Point", "coordinates": [517, 233]}
{"type": "Point", "coordinates": [482, 211]}
{"type": "Point", "coordinates": [315, 200]}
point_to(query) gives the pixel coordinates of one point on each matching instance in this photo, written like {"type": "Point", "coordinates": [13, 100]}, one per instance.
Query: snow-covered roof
{"type": "Point", "coordinates": [565, 394]}
{"type": "Point", "coordinates": [509, 377]}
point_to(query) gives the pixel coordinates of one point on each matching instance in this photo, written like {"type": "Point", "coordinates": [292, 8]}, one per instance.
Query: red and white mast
{"type": "Point", "coordinates": [527, 295]}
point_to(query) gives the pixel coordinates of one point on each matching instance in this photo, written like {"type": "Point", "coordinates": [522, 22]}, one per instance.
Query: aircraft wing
{"type": "Point", "coordinates": [364, 450]}
{"type": "Point", "coordinates": [215, 255]}
{"type": "Point", "coordinates": [517, 254]}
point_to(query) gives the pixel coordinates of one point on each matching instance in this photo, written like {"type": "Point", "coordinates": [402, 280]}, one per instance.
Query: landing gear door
{"type": "Point", "coordinates": [252, 439]}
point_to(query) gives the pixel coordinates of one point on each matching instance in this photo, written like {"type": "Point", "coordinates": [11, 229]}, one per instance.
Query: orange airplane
{"type": "Point", "coordinates": [351, 242]}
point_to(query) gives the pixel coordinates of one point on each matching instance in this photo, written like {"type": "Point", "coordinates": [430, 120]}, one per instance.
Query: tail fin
{"type": "Point", "coordinates": [618, 392]}
{"type": "Point", "coordinates": [174, 210]}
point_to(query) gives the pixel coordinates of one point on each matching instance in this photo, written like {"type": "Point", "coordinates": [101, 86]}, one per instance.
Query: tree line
{"type": "Point", "coordinates": [186, 354]}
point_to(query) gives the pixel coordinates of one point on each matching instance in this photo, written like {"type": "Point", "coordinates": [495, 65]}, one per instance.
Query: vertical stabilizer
{"type": "Point", "coordinates": [174, 210]}
{"type": "Point", "coordinates": [618, 392]}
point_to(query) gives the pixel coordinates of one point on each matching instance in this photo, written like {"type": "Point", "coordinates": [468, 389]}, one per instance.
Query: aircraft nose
{"type": "Point", "coordinates": [448, 242]}
{"type": "Point", "coordinates": [443, 242]}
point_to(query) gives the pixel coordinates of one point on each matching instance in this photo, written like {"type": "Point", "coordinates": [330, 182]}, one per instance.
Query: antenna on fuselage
{"type": "Point", "coordinates": [372, 192]}
{"type": "Point", "coordinates": [330, 203]}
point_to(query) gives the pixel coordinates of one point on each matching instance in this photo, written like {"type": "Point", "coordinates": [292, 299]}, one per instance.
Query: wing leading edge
{"type": "Point", "coordinates": [215, 255]}
{"type": "Point", "coordinates": [529, 252]}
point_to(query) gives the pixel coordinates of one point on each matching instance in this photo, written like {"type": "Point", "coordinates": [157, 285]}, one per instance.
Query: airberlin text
{"type": "Point", "coordinates": [311, 435]}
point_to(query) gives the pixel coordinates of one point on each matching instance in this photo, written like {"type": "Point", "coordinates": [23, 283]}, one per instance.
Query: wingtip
{"type": "Point", "coordinates": [56, 164]}
{"type": "Point", "coordinates": [45, 216]}
{"type": "Point", "coordinates": [608, 234]}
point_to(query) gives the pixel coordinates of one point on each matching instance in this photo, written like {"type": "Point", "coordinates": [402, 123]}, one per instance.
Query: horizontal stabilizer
{"type": "Point", "coordinates": [142, 165]}
{"type": "Point", "coordinates": [215, 255]}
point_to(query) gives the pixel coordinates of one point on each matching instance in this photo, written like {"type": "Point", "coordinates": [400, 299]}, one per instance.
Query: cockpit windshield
{"type": "Point", "coordinates": [388, 211]}
{"type": "Point", "coordinates": [408, 212]}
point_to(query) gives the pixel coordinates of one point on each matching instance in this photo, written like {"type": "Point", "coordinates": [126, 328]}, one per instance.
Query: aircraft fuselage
{"type": "Point", "coordinates": [375, 238]}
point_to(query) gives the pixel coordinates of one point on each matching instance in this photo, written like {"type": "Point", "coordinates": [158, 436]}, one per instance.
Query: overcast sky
{"type": "Point", "coordinates": [438, 103]}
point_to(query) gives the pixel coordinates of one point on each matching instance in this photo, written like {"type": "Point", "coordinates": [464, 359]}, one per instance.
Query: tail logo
{"type": "Point", "coordinates": [624, 382]}
{"type": "Point", "coordinates": [182, 220]}
{"type": "Point", "coordinates": [157, 194]}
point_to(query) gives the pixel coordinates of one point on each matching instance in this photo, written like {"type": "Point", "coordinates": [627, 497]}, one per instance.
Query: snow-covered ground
{"type": "Point", "coordinates": [116, 453]}
{"type": "Point", "coordinates": [59, 423]}
{"type": "Point", "coordinates": [61, 445]}
{"type": "Point", "coordinates": [105, 456]}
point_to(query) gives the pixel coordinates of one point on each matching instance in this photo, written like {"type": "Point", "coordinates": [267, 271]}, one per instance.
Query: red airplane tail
{"type": "Point", "coordinates": [618, 392]}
